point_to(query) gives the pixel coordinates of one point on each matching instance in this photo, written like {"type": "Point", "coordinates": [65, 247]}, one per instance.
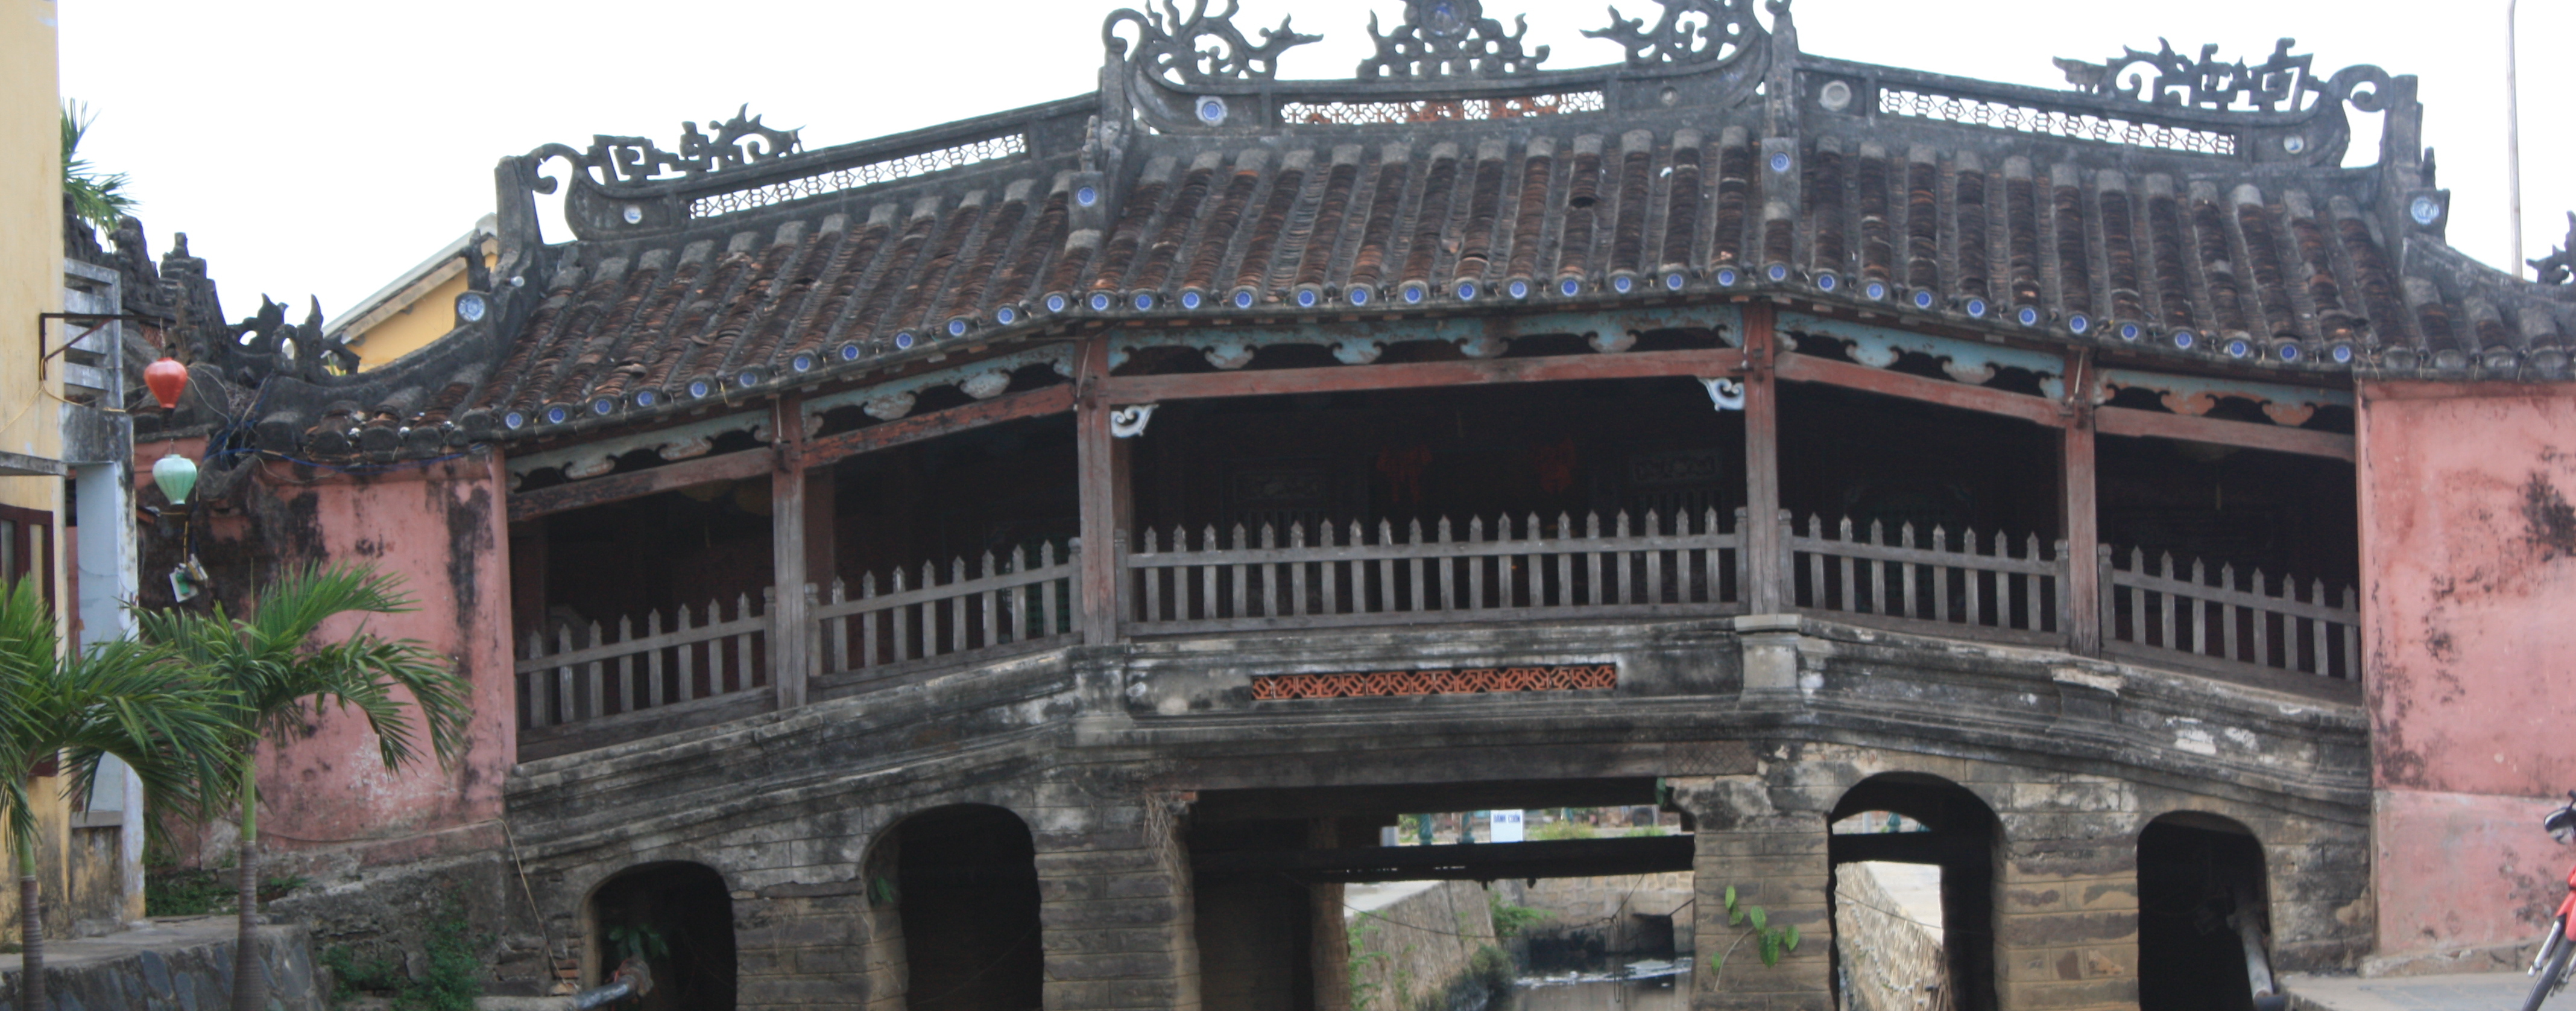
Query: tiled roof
{"type": "Point", "coordinates": [2230, 237]}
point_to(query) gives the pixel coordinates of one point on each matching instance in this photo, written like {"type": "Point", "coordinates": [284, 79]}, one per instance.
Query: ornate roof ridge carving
{"type": "Point", "coordinates": [2282, 79]}
{"type": "Point", "coordinates": [1167, 44]}
{"type": "Point", "coordinates": [1690, 32]}
{"type": "Point", "coordinates": [1449, 38]}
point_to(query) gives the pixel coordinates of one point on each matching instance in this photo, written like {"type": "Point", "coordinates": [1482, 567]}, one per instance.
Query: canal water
{"type": "Point", "coordinates": [1644, 986]}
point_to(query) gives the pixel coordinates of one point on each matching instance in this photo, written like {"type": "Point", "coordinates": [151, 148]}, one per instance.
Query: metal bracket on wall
{"type": "Point", "coordinates": [96, 321]}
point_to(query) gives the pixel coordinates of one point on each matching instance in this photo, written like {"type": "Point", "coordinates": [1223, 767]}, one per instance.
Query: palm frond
{"type": "Point", "coordinates": [98, 198]}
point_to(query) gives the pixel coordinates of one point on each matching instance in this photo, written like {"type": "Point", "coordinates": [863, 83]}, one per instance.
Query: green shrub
{"type": "Point", "coordinates": [451, 978]}
{"type": "Point", "coordinates": [1562, 828]}
{"type": "Point", "coordinates": [1509, 919]}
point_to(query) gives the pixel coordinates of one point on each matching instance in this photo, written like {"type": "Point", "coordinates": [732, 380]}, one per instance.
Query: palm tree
{"type": "Point", "coordinates": [275, 675]}
{"type": "Point", "coordinates": [99, 198]}
{"type": "Point", "coordinates": [120, 698]}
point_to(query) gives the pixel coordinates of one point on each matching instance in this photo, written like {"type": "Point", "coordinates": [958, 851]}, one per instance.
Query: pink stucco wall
{"type": "Point", "coordinates": [2469, 543]}
{"type": "Point", "coordinates": [441, 529]}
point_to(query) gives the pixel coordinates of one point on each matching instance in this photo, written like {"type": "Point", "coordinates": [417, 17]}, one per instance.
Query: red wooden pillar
{"type": "Point", "coordinates": [1764, 571]}
{"type": "Point", "coordinates": [790, 661]}
{"type": "Point", "coordinates": [2078, 511]}
{"type": "Point", "coordinates": [1103, 489]}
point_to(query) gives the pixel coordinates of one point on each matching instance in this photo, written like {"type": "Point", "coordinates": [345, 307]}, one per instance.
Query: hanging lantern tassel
{"type": "Point", "coordinates": [177, 476]}
{"type": "Point", "coordinates": [168, 379]}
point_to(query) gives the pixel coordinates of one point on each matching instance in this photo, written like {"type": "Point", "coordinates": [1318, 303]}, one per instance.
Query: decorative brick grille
{"type": "Point", "coordinates": [1435, 682]}
{"type": "Point", "coordinates": [1439, 110]}
{"type": "Point", "coordinates": [2029, 119]}
{"type": "Point", "coordinates": [856, 176]}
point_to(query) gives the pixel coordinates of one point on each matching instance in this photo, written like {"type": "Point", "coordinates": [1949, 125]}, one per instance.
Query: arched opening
{"type": "Point", "coordinates": [967, 890]}
{"type": "Point", "coordinates": [2204, 927]}
{"type": "Point", "coordinates": [678, 917]}
{"type": "Point", "coordinates": [1903, 821]}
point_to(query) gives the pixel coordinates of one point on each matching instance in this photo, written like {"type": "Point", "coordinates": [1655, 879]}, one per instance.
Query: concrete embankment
{"type": "Point", "coordinates": [170, 965]}
{"type": "Point", "coordinates": [1423, 946]}
{"type": "Point", "coordinates": [1590, 920]}
{"type": "Point", "coordinates": [1887, 920]}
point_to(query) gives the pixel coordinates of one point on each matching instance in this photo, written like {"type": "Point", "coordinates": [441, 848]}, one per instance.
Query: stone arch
{"type": "Point", "coordinates": [961, 882]}
{"type": "Point", "coordinates": [2203, 909]}
{"type": "Point", "coordinates": [676, 914]}
{"type": "Point", "coordinates": [1944, 825]}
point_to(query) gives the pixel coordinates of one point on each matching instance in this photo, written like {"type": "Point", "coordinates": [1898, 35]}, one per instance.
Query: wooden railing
{"type": "Point", "coordinates": [2154, 610]}
{"type": "Point", "coordinates": [1258, 580]}
{"type": "Point", "coordinates": [1022, 601]}
{"type": "Point", "coordinates": [1943, 583]}
{"type": "Point", "coordinates": [588, 675]}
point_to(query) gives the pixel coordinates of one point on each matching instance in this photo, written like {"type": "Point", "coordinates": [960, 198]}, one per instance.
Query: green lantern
{"type": "Point", "coordinates": [177, 476]}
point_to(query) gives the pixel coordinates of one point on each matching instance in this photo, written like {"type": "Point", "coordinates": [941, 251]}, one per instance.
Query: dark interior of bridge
{"type": "Point", "coordinates": [679, 917]}
{"type": "Point", "coordinates": [2200, 878]}
{"type": "Point", "coordinates": [968, 892]}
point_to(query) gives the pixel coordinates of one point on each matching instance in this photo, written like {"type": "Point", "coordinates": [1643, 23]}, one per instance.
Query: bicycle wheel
{"type": "Point", "coordinates": [2551, 973]}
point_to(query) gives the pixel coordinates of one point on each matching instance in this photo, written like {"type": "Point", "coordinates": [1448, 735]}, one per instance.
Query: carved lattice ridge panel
{"type": "Point", "coordinates": [856, 176]}
{"type": "Point", "coordinates": [2030, 119]}
{"type": "Point", "coordinates": [1439, 110]}
{"type": "Point", "coordinates": [1435, 682]}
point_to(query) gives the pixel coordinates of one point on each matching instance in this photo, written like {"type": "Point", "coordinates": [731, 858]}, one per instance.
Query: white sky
{"type": "Point", "coordinates": [322, 148]}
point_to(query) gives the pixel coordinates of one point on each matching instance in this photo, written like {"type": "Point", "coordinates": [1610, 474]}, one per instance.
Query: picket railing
{"type": "Point", "coordinates": [1943, 582]}
{"type": "Point", "coordinates": [1350, 575]}
{"type": "Point", "coordinates": [612, 672]}
{"type": "Point", "coordinates": [1023, 600]}
{"type": "Point", "coordinates": [2152, 609]}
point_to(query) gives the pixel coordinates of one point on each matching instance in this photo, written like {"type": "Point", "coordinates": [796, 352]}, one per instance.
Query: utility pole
{"type": "Point", "coordinates": [2513, 136]}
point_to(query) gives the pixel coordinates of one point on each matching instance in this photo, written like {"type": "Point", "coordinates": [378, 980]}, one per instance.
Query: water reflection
{"type": "Point", "coordinates": [1667, 988]}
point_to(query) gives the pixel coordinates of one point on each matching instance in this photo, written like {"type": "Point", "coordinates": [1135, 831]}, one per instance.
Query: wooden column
{"type": "Point", "coordinates": [2078, 511]}
{"type": "Point", "coordinates": [1103, 489]}
{"type": "Point", "coordinates": [1763, 568]}
{"type": "Point", "coordinates": [790, 661]}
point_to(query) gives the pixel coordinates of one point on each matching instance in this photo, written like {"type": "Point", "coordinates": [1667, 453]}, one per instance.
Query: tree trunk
{"type": "Point", "coordinates": [250, 981]}
{"type": "Point", "coordinates": [31, 927]}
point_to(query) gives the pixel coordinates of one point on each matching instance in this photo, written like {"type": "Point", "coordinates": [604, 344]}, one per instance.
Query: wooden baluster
{"type": "Point", "coordinates": [1476, 562]}
{"type": "Point", "coordinates": [2165, 617]}
{"type": "Point", "coordinates": [2262, 621]}
{"type": "Point", "coordinates": [1817, 588]}
{"type": "Point", "coordinates": [1267, 573]}
{"type": "Point", "coordinates": [1563, 544]}
{"type": "Point", "coordinates": [2137, 597]}
{"type": "Point", "coordinates": [627, 683]}
{"type": "Point", "coordinates": [2228, 610]}
{"type": "Point", "coordinates": [836, 630]}
{"type": "Point", "coordinates": [2196, 615]}
{"type": "Point", "coordinates": [745, 649]}
{"type": "Point", "coordinates": [686, 680]}
{"type": "Point", "coordinates": [1623, 586]}
{"type": "Point", "coordinates": [1297, 569]}
{"type": "Point", "coordinates": [593, 691]}
{"type": "Point", "coordinates": [2317, 630]}
{"type": "Point", "coordinates": [900, 617]}
{"type": "Point", "coordinates": [1877, 569]}
{"type": "Point", "coordinates": [956, 601]}
{"type": "Point", "coordinates": [1414, 591]}
{"type": "Point", "coordinates": [1239, 604]}
{"type": "Point", "coordinates": [1015, 601]}
{"type": "Point", "coordinates": [2029, 584]}
{"type": "Point", "coordinates": [2351, 634]}
{"type": "Point", "coordinates": [1050, 614]}
{"type": "Point", "coordinates": [658, 692]}
{"type": "Point", "coordinates": [1712, 558]}
{"type": "Point", "coordinates": [1153, 578]}
{"type": "Point", "coordinates": [1654, 560]}
{"type": "Point", "coordinates": [1446, 566]}
{"type": "Point", "coordinates": [1940, 575]}
{"type": "Point", "coordinates": [534, 699]}
{"type": "Point", "coordinates": [1208, 574]}
{"type": "Point", "coordinates": [1842, 568]}
{"type": "Point", "coordinates": [867, 623]}
{"type": "Point", "coordinates": [990, 607]}
{"type": "Point", "coordinates": [1907, 605]}
{"type": "Point", "coordinates": [1975, 586]}
{"type": "Point", "coordinates": [1534, 562]}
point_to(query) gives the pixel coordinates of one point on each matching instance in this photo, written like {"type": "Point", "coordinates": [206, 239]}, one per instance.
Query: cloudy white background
{"type": "Point", "coordinates": [322, 148]}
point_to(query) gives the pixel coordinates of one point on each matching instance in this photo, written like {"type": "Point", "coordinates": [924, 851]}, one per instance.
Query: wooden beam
{"type": "Point", "coordinates": [2131, 421]}
{"type": "Point", "coordinates": [2078, 517]}
{"type": "Point", "coordinates": [1763, 563]}
{"type": "Point", "coordinates": [1461, 861]}
{"type": "Point", "coordinates": [735, 466]}
{"type": "Point", "coordinates": [1470, 372]}
{"type": "Point", "coordinates": [790, 633]}
{"type": "Point", "coordinates": [1098, 472]}
{"type": "Point", "coordinates": [834, 448]}
{"type": "Point", "coordinates": [1805, 369]}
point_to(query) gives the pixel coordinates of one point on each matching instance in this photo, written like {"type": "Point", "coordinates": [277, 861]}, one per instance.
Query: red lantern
{"type": "Point", "coordinates": [168, 379]}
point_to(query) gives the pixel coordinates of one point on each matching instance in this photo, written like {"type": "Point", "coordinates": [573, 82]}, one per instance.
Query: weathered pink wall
{"type": "Point", "coordinates": [2469, 545]}
{"type": "Point", "coordinates": [442, 530]}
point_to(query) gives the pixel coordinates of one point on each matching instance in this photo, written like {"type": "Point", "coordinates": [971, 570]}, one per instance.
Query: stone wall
{"type": "Point", "coordinates": [171, 966]}
{"type": "Point", "coordinates": [1890, 950]}
{"type": "Point", "coordinates": [1419, 954]}
{"type": "Point", "coordinates": [1612, 910]}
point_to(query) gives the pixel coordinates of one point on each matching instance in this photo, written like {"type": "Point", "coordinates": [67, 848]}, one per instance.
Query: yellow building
{"type": "Point", "coordinates": [89, 859]}
{"type": "Point", "coordinates": [418, 307]}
